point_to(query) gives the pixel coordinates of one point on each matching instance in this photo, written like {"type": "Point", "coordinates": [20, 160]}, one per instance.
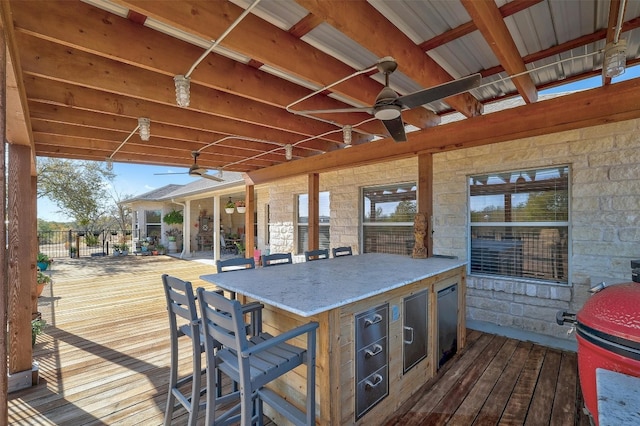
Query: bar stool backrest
{"type": "Point", "coordinates": [276, 259]}
{"type": "Point", "coordinates": [316, 255]}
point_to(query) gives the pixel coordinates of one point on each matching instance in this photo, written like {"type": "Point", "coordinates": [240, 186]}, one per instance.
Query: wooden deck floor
{"type": "Point", "coordinates": [104, 359]}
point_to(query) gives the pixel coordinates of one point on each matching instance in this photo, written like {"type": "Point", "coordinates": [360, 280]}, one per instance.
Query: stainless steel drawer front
{"type": "Point", "coordinates": [371, 390]}
{"type": "Point", "coordinates": [371, 326]}
{"type": "Point", "coordinates": [371, 358]}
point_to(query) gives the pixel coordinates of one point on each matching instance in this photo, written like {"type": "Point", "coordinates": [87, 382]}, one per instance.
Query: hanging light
{"type": "Point", "coordinates": [288, 152]}
{"type": "Point", "coordinates": [182, 90]}
{"type": "Point", "coordinates": [144, 127]}
{"type": "Point", "coordinates": [615, 59]}
{"type": "Point", "coordinates": [346, 135]}
{"type": "Point", "coordinates": [109, 162]}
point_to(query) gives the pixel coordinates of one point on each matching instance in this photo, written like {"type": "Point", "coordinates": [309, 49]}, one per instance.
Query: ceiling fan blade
{"type": "Point", "coordinates": [442, 91]}
{"type": "Point", "coordinates": [211, 177]}
{"type": "Point", "coordinates": [161, 174]}
{"type": "Point", "coordinates": [395, 128]}
{"type": "Point", "coordinates": [330, 111]}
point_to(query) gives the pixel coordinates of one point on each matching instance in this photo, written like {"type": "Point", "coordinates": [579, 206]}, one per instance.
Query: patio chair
{"type": "Point", "coordinates": [276, 259]}
{"type": "Point", "coordinates": [182, 308]}
{"type": "Point", "coordinates": [235, 264]}
{"type": "Point", "coordinates": [341, 251]}
{"type": "Point", "coordinates": [181, 303]}
{"type": "Point", "coordinates": [311, 255]}
{"type": "Point", "coordinates": [253, 363]}
{"type": "Point", "coordinates": [227, 246]}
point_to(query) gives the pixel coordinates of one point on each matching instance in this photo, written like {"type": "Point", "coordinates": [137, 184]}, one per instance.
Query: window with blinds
{"type": "Point", "coordinates": [387, 218]}
{"type": "Point", "coordinates": [519, 224]}
{"type": "Point", "coordinates": [303, 222]}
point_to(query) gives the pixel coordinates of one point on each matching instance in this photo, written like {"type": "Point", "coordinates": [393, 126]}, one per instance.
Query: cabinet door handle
{"type": "Point", "coordinates": [410, 341]}
{"type": "Point", "coordinates": [376, 319]}
{"type": "Point", "coordinates": [377, 379]}
{"type": "Point", "coordinates": [368, 353]}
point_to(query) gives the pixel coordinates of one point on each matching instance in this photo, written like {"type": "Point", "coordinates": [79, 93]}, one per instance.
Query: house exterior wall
{"type": "Point", "coordinates": [344, 198]}
{"type": "Point", "coordinates": [604, 220]}
{"type": "Point", "coordinates": [604, 217]}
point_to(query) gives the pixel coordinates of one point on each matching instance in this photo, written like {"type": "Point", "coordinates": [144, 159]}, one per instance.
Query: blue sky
{"type": "Point", "coordinates": [136, 179]}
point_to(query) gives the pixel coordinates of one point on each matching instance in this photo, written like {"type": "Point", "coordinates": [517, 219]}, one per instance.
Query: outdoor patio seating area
{"type": "Point", "coordinates": [104, 359]}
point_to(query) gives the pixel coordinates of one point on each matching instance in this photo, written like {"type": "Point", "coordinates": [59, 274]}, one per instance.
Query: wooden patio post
{"type": "Point", "coordinates": [4, 287]}
{"type": "Point", "coordinates": [425, 196]}
{"type": "Point", "coordinates": [34, 246]}
{"type": "Point", "coordinates": [314, 212]}
{"type": "Point", "coordinates": [21, 267]}
{"type": "Point", "coordinates": [249, 237]}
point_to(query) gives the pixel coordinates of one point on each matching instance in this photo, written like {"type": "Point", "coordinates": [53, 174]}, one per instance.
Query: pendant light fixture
{"type": "Point", "coordinates": [288, 152]}
{"type": "Point", "coordinates": [346, 135]}
{"type": "Point", "coordinates": [144, 126]}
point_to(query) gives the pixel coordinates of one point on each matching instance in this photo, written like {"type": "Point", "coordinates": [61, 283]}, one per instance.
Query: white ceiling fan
{"type": "Point", "coordinates": [198, 171]}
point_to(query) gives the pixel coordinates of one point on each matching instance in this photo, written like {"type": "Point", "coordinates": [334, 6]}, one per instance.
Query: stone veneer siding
{"type": "Point", "coordinates": [344, 198]}
{"type": "Point", "coordinates": [604, 220]}
{"type": "Point", "coordinates": [604, 216]}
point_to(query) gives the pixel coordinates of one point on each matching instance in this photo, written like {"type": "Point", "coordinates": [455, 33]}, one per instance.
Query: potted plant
{"type": "Point", "coordinates": [240, 246]}
{"type": "Point", "coordinates": [37, 325]}
{"type": "Point", "coordinates": [173, 233]}
{"type": "Point", "coordinates": [229, 207]}
{"type": "Point", "coordinates": [161, 249]}
{"type": "Point", "coordinates": [43, 261]}
{"type": "Point", "coordinates": [116, 249]}
{"type": "Point", "coordinates": [241, 206]}
{"type": "Point", "coordinates": [42, 280]}
{"type": "Point", "coordinates": [124, 249]}
{"type": "Point", "coordinates": [173, 218]}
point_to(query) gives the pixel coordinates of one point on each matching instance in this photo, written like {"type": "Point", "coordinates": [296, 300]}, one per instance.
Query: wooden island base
{"type": "Point", "coordinates": [362, 342]}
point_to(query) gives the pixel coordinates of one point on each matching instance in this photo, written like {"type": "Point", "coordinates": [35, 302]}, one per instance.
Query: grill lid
{"type": "Point", "coordinates": [614, 311]}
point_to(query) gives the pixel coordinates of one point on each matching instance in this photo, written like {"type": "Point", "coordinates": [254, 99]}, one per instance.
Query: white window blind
{"type": "Point", "coordinates": [519, 223]}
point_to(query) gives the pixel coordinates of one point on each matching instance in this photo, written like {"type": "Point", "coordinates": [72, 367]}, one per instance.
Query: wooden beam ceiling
{"type": "Point", "coordinates": [84, 76]}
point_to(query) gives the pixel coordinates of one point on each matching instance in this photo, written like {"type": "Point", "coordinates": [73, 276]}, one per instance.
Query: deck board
{"type": "Point", "coordinates": [104, 359]}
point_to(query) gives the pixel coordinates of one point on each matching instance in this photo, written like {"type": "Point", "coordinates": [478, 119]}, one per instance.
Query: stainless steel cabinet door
{"type": "Point", "coordinates": [415, 329]}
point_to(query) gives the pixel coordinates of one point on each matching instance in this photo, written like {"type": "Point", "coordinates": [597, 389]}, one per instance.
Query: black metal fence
{"type": "Point", "coordinates": [75, 243]}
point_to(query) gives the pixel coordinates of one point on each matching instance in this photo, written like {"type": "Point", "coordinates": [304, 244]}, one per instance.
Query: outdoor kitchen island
{"type": "Point", "coordinates": [377, 342]}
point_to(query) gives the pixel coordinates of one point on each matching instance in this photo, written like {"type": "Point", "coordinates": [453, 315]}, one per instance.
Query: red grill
{"type": "Point", "coordinates": [608, 334]}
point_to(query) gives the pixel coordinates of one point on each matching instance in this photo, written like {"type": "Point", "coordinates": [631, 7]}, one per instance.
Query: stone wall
{"type": "Point", "coordinates": [344, 188]}
{"type": "Point", "coordinates": [604, 220]}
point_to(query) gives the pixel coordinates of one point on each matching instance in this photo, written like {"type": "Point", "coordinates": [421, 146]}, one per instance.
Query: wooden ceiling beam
{"type": "Point", "coordinates": [65, 94]}
{"type": "Point", "coordinates": [507, 9]}
{"type": "Point", "coordinates": [181, 147]}
{"type": "Point", "coordinates": [83, 27]}
{"type": "Point", "coordinates": [83, 69]}
{"type": "Point", "coordinates": [607, 104]}
{"type": "Point", "coordinates": [559, 49]}
{"type": "Point", "coordinates": [49, 115]}
{"type": "Point", "coordinates": [486, 16]}
{"type": "Point", "coordinates": [268, 44]}
{"type": "Point", "coordinates": [101, 149]}
{"type": "Point", "coordinates": [124, 157]}
{"type": "Point", "coordinates": [388, 40]}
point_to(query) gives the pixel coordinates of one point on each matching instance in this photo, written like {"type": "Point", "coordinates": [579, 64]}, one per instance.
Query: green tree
{"type": "Point", "coordinates": [78, 188]}
{"type": "Point", "coordinates": [405, 211]}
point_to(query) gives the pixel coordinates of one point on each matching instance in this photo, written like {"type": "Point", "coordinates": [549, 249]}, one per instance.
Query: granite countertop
{"type": "Point", "coordinates": [618, 398]}
{"type": "Point", "coordinates": [310, 288]}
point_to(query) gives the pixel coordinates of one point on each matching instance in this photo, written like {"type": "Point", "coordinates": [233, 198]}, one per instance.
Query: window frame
{"type": "Point", "coordinates": [299, 248]}
{"type": "Point", "coordinates": [564, 238]}
{"type": "Point", "coordinates": [405, 226]}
